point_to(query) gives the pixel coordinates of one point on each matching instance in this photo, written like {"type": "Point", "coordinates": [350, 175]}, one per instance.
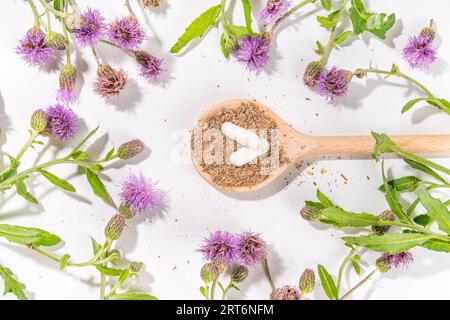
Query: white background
{"type": "Point", "coordinates": [167, 240]}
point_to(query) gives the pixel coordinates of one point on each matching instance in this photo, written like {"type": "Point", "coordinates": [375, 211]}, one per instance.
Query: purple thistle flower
{"type": "Point", "coordinates": [253, 51]}
{"type": "Point", "coordinates": [273, 10]}
{"type": "Point", "coordinates": [61, 122]}
{"type": "Point", "coordinates": [140, 193]}
{"type": "Point", "coordinates": [419, 53]}
{"type": "Point", "coordinates": [252, 248]}
{"type": "Point", "coordinates": [334, 83]}
{"type": "Point", "coordinates": [402, 259]}
{"type": "Point", "coordinates": [221, 246]}
{"type": "Point", "coordinates": [126, 32]}
{"type": "Point", "coordinates": [92, 28]}
{"type": "Point", "coordinates": [34, 49]}
{"type": "Point", "coordinates": [151, 66]}
{"type": "Point", "coordinates": [285, 293]}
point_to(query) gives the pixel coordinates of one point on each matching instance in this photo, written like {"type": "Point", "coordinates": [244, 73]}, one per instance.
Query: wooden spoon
{"type": "Point", "coordinates": [298, 146]}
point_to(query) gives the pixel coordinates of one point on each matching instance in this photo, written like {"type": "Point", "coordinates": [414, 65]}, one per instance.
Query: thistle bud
{"type": "Point", "coordinates": [114, 256]}
{"type": "Point", "coordinates": [136, 266]}
{"type": "Point", "coordinates": [74, 20]}
{"type": "Point", "coordinates": [312, 74]}
{"type": "Point", "coordinates": [115, 227]}
{"type": "Point", "coordinates": [307, 282]}
{"type": "Point", "coordinates": [130, 149]}
{"type": "Point", "coordinates": [429, 32]}
{"type": "Point", "coordinates": [310, 213]}
{"type": "Point", "coordinates": [67, 77]}
{"type": "Point", "coordinates": [38, 121]}
{"type": "Point", "coordinates": [209, 272]}
{"type": "Point", "coordinates": [222, 267]}
{"type": "Point", "coordinates": [239, 274]}
{"type": "Point", "coordinates": [151, 3]}
{"type": "Point", "coordinates": [386, 215]}
{"type": "Point", "coordinates": [126, 211]}
{"type": "Point", "coordinates": [383, 264]}
{"type": "Point", "coordinates": [56, 40]}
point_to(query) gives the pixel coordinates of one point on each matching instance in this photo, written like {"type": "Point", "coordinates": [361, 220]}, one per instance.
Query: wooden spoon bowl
{"type": "Point", "coordinates": [297, 146]}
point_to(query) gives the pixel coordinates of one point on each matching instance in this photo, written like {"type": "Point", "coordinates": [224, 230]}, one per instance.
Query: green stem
{"type": "Point", "coordinates": [27, 145]}
{"type": "Point", "coordinates": [289, 13]}
{"type": "Point", "coordinates": [331, 41]}
{"type": "Point", "coordinates": [400, 75]}
{"type": "Point", "coordinates": [347, 259]}
{"type": "Point", "coordinates": [55, 258]}
{"type": "Point", "coordinates": [103, 276]}
{"type": "Point", "coordinates": [413, 227]}
{"type": "Point", "coordinates": [50, 8]}
{"type": "Point", "coordinates": [223, 15]}
{"type": "Point", "coordinates": [66, 36]}
{"type": "Point", "coordinates": [267, 273]}
{"type": "Point", "coordinates": [367, 278]}
{"type": "Point", "coordinates": [213, 289]}
{"type": "Point", "coordinates": [74, 5]}
{"type": "Point", "coordinates": [227, 289]}
{"type": "Point", "coordinates": [35, 13]}
{"type": "Point", "coordinates": [66, 160]}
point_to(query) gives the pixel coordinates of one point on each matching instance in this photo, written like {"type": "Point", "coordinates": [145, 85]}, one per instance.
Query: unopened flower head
{"type": "Point", "coordinates": [56, 40]}
{"type": "Point", "coordinates": [34, 49]}
{"type": "Point", "coordinates": [273, 10]}
{"type": "Point", "coordinates": [310, 213]}
{"type": "Point", "coordinates": [62, 122]}
{"type": "Point", "coordinates": [239, 273]}
{"type": "Point", "coordinates": [334, 83]}
{"type": "Point", "coordinates": [38, 121]}
{"type": "Point", "coordinates": [312, 74]}
{"type": "Point", "coordinates": [114, 256]}
{"type": "Point", "coordinates": [91, 29]}
{"type": "Point", "coordinates": [285, 293]}
{"type": "Point", "coordinates": [115, 227]}
{"type": "Point", "coordinates": [252, 248]}
{"type": "Point", "coordinates": [140, 193]}
{"type": "Point", "coordinates": [73, 20]}
{"type": "Point", "coordinates": [110, 81]}
{"type": "Point", "coordinates": [151, 66]}
{"type": "Point", "coordinates": [253, 52]}
{"type": "Point", "coordinates": [151, 3]}
{"type": "Point", "coordinates": [136, 266]}
{"type": "Point", "coordinates": [67, 80]}
{"type": "Point", "coordinates": [126, 32]}
{"type": "Point", "coordinates": [209, 272]}
{"type": "Point", "coordinates": [307, 282]}
{"type": "Point", "coordinates": [220, 246]}
{"type": "Point", "coordinates": [130, 149]}
{"type": "Point", "coordinates": [386, 215]}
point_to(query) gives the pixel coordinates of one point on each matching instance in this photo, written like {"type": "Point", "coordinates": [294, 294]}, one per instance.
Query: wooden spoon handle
{"type": "Point", "coordinates": [364, 145]}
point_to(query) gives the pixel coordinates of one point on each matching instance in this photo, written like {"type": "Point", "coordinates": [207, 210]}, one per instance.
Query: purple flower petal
{"type": "Point", "coordinates": [253, 51]}
{"type": "Point", "coordinates": [419, 52]}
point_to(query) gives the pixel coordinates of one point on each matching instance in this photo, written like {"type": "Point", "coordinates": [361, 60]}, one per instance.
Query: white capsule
{"type": "Point", "coordinates": [243, 156]}
{"type": "Point", "coordinates": [240, 135]}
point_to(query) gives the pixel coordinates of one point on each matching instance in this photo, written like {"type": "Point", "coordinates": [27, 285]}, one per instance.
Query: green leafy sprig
{"type": "Point", "coordinates": [213, 16]}
{"type": "Point", "coordinates": [430, 98]}
{"type": "Point", "coordinates": [413, 226]}
{"type": "Point", "coordinates": [362, 20]}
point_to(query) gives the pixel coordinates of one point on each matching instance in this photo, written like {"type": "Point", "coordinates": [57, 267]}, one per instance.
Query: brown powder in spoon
{"type": "Point", "coordinates": [249, 116]}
